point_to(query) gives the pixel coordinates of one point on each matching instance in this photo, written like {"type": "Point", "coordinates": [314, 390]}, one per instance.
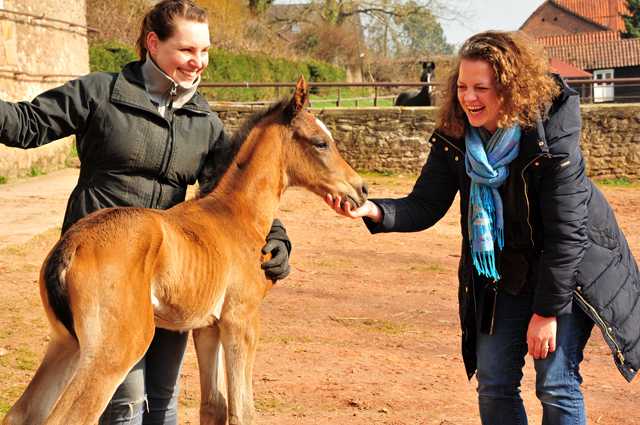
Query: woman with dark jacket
{"type": "Point", "coordinates": [543, 258]}
{"type": "Point", "coordinates": [142, 137]}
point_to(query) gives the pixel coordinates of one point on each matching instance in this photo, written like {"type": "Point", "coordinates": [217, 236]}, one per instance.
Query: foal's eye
{"type": "Point", "coordinates": [319, 142]}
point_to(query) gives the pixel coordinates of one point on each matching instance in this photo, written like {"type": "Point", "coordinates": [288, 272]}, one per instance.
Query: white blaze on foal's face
{"type": "Point", "coordinates": [322, 126]}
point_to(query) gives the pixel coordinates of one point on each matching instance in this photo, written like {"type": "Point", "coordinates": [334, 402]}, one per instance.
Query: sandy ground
{"type": "Point", "coordinates": [365, 330]}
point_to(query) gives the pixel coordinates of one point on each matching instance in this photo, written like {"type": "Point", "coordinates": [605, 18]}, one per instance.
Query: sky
{"type": "Point", "coordinates": [483, 15]}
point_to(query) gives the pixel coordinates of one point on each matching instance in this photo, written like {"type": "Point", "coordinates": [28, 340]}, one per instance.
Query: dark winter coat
{"type": "Point", "coordinates": [583, 256]}
{"type": "Point", "coordinates": [130, 154]}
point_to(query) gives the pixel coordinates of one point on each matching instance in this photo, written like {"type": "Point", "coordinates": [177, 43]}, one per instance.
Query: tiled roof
{"type": "Point", "coordinates": [568, 71]}
{"type": "Point", "coordinates": [591, 37]}
{"type": "Point", "coordinates": [596, 10]}
{"type": "Point", "coordinates": [602, 55]}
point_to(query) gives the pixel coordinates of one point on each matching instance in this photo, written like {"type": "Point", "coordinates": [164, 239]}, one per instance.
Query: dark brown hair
{"type": "Point", "coordinates": [522, 80]}
{"type": "Point", "coordinates": [162, 18]}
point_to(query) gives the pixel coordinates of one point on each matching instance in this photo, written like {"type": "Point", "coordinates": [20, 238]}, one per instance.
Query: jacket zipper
{"type": "Point", "coordinates": [454, 146]}
{"type": "Point", "coordinates": [472, 280]}
{"type": "Point", "coordinates": [619, 354]}
{"type": "Point", "coordinates": [526, 196]}
{"type": "Point", "coordinates": [164, 172]}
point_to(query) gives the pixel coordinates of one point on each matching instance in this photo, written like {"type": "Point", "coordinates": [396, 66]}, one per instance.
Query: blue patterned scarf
{"type": "Point", "coordinates": [488, 168]}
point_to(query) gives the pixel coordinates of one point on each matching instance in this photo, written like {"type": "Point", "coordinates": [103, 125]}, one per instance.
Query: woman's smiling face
{"type": "Point", "coordinates": [185, 54]}
{"type": "Point", "coordinates": [477, 94]}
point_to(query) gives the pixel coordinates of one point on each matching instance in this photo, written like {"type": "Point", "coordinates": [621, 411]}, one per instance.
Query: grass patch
{"type": "Point", "coordinates": [432, 267]}
{"type": "Point", "coordinates": [374, 325]}
{"type": "Point", "coordinates": [332, 263]}
{"type": "Point", "coordinates": [73, 153]}
{"type": "Point", "coordinates": [23, 359]}
{"type": "Point", "coordinates": [386, 178]}
{"type": "Point", "coordinates": [44, 240]}
{"type": "Point", "coordinates": [349, 103]}
{"type": "Point", "coordinates": [273, 405]}
{"type": "Point", "coordinates": [188, 400]}
{"type": "Point", "coordinates": [35, 172]}
{"type": "Point", "coordinates": [287, 339]}
{"type": "Point", "coordinates": [3, 180]}
{"type": "Point", "coordinates": [623, 181]}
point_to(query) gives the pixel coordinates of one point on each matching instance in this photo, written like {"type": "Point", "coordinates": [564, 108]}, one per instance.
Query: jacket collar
{"type": "Point", "coordinates": [162, 89]}
{"type": "Point", "coordinates": [130, 89]}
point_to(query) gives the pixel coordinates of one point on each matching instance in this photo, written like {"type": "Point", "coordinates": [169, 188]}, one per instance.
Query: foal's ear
{"type": "Point", "coordinates": [299, 99]}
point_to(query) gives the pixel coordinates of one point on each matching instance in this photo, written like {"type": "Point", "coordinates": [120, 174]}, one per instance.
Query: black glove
{"type": "Point", "coordinates": [279, 245]}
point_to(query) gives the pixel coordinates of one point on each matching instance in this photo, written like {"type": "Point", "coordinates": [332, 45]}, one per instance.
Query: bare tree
{"type": "Point", "coordinates": [391, 27]}
{"type": "Point", "coordinates": [117, 20]}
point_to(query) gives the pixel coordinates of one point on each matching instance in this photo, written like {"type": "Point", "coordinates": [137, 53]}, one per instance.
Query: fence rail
{"type": "Point", "coordinates": [337, 101]}
{"type": "Point", "coordinates": [622, 90]}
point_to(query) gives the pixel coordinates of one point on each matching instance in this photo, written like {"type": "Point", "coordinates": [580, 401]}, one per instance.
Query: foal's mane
{"type": "Point", "coordinates": [217, 163]}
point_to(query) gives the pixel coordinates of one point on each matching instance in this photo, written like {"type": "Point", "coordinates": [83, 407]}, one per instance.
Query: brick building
{"type": "Point", "coordinates": [590, 35]}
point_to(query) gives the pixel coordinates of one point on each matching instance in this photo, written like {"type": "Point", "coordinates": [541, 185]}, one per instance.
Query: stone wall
{"type": "Point", "coordinates": [39, 47]}
{"type": "Point", "coordinates": [395, 139]}
{"type": "Point", "coordinates": [610, 140]}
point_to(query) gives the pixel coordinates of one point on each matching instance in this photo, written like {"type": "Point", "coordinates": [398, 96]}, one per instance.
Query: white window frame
{"type": "Point", "coordinates": [603, 92]}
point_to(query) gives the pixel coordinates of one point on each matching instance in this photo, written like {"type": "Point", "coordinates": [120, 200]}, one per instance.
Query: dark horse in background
{"type": "Point", "coordinates": [420, 97]}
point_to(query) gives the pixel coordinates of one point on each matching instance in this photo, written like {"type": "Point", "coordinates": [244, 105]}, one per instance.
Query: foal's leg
{"type": "Point", "coordinates": [57, 367]}
{"type": "Point", "coordinates": [213, 385]}
{"type": "Point", "coordinates": [108, 350]}
{"type": "Point", "coordinates": [103, 365]}
{"type": "Point", "coordinates": [240, 331]}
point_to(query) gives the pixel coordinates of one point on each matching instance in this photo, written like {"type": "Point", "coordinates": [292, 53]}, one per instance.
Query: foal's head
{"type": "Point", "coordinates": [311, 157]}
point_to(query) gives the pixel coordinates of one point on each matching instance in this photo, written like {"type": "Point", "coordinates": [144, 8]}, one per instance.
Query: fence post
{"type": "Point", "coordinates": [279, 95]}
{"type": "Point", "coordinates": [375, 97]}
{"type": "Point", "coordinates": [357, 103]}
{"type": "Point", "coordinates": [339, 95]}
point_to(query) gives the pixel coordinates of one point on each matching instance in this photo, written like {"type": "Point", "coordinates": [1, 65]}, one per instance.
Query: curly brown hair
{"type": "Point", "coordinates": [522, 80]}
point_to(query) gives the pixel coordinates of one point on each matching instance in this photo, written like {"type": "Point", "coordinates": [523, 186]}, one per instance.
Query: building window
{"type": "Point", "coordinates": [603, 92]}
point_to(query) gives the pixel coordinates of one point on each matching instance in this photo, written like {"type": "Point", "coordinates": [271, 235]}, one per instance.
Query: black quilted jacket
{"type": "Point", "coordinates": [583, 256]}
{"type": "Point", "coordinates": [130, 154]}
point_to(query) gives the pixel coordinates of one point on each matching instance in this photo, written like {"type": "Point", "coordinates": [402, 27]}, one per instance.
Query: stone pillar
{"type": "Point", "coordinates": [39, 47]}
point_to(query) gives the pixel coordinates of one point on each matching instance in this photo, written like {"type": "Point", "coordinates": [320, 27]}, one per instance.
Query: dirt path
{"type": "Point", "coordinates": [364, 331]}
{"type": "Point", "coordinates": [32, 205]}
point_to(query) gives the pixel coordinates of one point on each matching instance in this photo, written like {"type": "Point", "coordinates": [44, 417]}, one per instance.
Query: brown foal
{"type": "Point", "coordinates": [120, 272]}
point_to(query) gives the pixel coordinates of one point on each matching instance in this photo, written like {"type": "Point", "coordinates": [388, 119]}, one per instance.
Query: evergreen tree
{"type": "Point", "coordinates": [632, 22]}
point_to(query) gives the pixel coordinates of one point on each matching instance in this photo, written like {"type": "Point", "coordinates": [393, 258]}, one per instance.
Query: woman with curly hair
{"type": "Point", "coordinates": [543, 258]}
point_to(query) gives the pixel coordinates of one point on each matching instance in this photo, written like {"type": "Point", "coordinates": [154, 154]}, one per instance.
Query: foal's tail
{"type": "Point", "coordinates": [55, 271]}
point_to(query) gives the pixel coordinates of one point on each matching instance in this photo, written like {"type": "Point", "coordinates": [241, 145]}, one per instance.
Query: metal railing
{"type": "Point", "coordinates": [610, 90]}
{"type": "Point", "coordinates": [591, 90]}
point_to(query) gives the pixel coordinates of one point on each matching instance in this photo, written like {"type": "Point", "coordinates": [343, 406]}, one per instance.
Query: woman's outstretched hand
{"type": "Point", "coordinates": [369, 209]}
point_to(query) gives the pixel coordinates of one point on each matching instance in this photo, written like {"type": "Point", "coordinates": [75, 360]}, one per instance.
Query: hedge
{"type": "Point", "coordinates": [226, 67]}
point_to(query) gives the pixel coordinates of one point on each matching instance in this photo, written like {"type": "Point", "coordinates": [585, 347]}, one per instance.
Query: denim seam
{"type": "Point", "coordinates": [521, 346]}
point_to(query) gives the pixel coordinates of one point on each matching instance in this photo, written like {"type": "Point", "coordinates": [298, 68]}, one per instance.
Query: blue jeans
{"type": "Point", "coordinates": [501, 357]}
{"type": "Point", "coordinates": [149, 393]}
